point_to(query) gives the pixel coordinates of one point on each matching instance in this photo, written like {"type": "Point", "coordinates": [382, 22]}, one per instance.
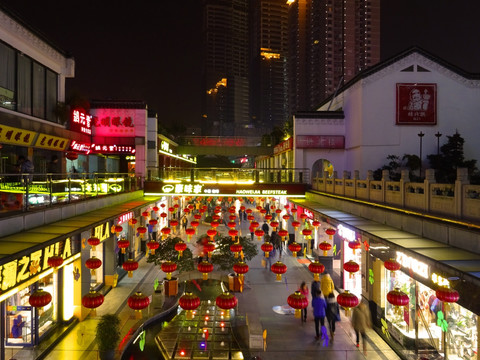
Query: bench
{"type": "Point", "coordinates": [255, 331]}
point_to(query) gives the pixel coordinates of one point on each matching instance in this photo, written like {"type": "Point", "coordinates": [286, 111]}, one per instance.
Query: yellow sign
{"type": "Point", "coordinates": [439, 280]}
{"type": "Point", "coordinates": [102, 232]}
{"type": "Point", "coordinates": [11, 135]}
{"type": "Point", "coordinates": [51, 142]}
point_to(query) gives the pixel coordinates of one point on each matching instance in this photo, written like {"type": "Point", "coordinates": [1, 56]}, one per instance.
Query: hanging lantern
{"type": "Point", "coordinates": [286, 217]}
{"type": "Point", "coordinates": [250, 218]}
{"type": "Point", "coordinates": [197, 216]}
{"type": "Point", "coordinates": [294, 212]}
{"type": "Point", "coordinates": [174, 223]}
{"type": "Point", "coordinates": [123, 245]}
{"type": "Point", "coordinates": [191, 206]}
{"type": "Point", "coordinates": [176, 206]}
{"type": "Point", "coordinates": [163, 215]}
{"type": "Point", "coordinates": [259, 234]}
{"type": "Point", "coordinates": [168, 267]}
{"type": "Point", "coordinates": [283, 234]}
{"type": "Point", "coordinates": [259, 208]}
{"type": "Point", "coordinates": [190, 232]}
{"type": "Point", "coordinates": [152, 245]}
{"type": "Point", "coordinates": [180, 247]}
{"type": "Point", "coordinates": [316, 268]}
{"type": "Point", "coordinates": [263, 212]}
{"type": "Point", "coordinates": [398, 299]}
{"type": "Point", "coordinates": [298, 301]}
{"type": "Point", "coordinates": [189, 302]}
{"type": "Point", "coordinates": [306, 233]}
{"type": "Point", "coordinates": [325, 247]}
{"type": "Point", "coordinates": [232, 210]}
{"type": "Point", "coordinates": [118, 229]}
{"type": "Point", "coordinates": [354, 245]}
{"type": "Point", "coordinates": [153, 222]}
{"type": "Point", "coordinates": [278, 212]}
{"type": "Point", "coordinates": [240, 268]}
{"type": "Point", "coordinates": [236, 248]}
{"type": "Point", "coordinates": [171, 209]}
{"type": "Point", "coordinates": [93, 242]}
{"type": "Point", "coordinates": [208, 248]}
{"type": "Point", "coordinates": [92, 300]}
{"type": "Point", "coordinates": [195, 224]}
{"type": "Point", "coordinates": [294, 248]}
{"type": "Point", "coordinates": [392, 265]}
{"type": "Point", "coordinates": [186, 211]}
{"type": "Point", "coordinates": [71, 155]}
{"type": "Point", "coordinates": [242, 207]}
{"type": "Point", "coordinates": [303, 217]}
{"type": "Point", "coordinates": [211, 233]}
{"type": "Point", "coordinates": [268, 217]}
{"type": "Point", "coordinates": [156, 208]}
{"type": "Point", "coordinates": [330, 232]}
{"type": "Point", "coordinates": [255, 225]}
{"type": "Point", "coordinates": [226, 301]}
{"type": "Point", "coordinates": [214, 224]}
{"type": "Point", "coordinates": [279, 268]}
{"type": "Point", "coordinates": [266, 248]}
{"type": "Point", "coordinates": [138, 302]}
{"type": "Point", "coordinates": [232, 218]}
{"type": "Point", "coordinates": [249, 211]}
{"type": "Point", "coordinates": [286, 207]}
{"type": "Point", "coordinates": [145, 214]}
{"type": "Point", "coordinates": [205, 267]}
{"type": "Point", "coordinates": [233, 233]}
{"type": "Point", "coordinates": [55, 261]}
{"type": "Point", "coordinates": [162, 205]}
{"type": "Point", "coordinates": [132, 222]}
{"type": "Point", "coordinates": [141, 231]}
{"type": "Point", "coordinates": [232, 224]}
{"type": "Point", "coordinates": [274, 225]}
{"type": "Point", "coordinates": [93, 263]}
{"type": "Point", "coordinates": [316, 224]}
{"type": "Point", "coordinates": [447, 295]}
{"type": "Point", "coordinates": [296, 225]}
{"type": "Point", "coordinates": [165, 232]}
{"type": "Point", "coordinates": [215, 218]}
{"type": "Point", "coordinates": [352, 267]}
{"type": "Point", "coordinates": [40, 298]}
{"type": "Point", "coordinates": [130, 266]}
{"type": "Point", "coordinates": [347, 300]}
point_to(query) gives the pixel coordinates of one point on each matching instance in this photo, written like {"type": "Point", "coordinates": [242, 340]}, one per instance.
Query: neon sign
{"type": "Point", "coordinates": [113, 148]}
{"type": "Point", "coordinates": [125, 217]}
{"type": "Point", "coordinates": [83, 147]}
{"type": "Point", "coordinates": [439, 280]}
{"type": "Point", "coordinates": [82, 122]}
{"type": "Point", "coordinates": [416, 266]}
{"type": "Point", "coordinates": [347, 234]}
{"type": "Point", "coordinates": [102, 232]}
{"type": "Point", "coordinates": [261, 192]}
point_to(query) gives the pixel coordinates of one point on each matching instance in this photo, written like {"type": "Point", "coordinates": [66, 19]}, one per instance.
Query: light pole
{"type": "Point", "coordinates": [421, 135]}
{"type": "Point", "coordinates": [437, 135]}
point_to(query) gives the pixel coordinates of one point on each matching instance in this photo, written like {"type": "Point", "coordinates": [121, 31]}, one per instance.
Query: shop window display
{"type": "Point", "coordinates": [352, 281]}
{"type": "Point", "coordinates": [19, 318]}
{"type": "Point", "coordinates": [47, 314]}
{"type": "Point", "coordinates": [97, 279]}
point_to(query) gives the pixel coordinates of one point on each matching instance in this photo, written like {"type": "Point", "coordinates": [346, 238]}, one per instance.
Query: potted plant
{"type": "Point", "coordinates": [108, 336]}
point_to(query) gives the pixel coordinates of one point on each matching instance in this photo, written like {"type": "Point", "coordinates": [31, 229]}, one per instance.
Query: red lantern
{"type": "Point", "coordinates": [397, 298]}
{"type": "Point", "coordinates": [286, 217]}
{"type": "Point", "coordinates": [294, 248]}
{"type": "Point", "coordinates": [306, 233]}
{"type": "Point", "coordinates": [226, 301]}
{"type": "Point", "coordinates": [163, 215]}
{"type": "Point", "coordinates": [173, 223]}
{"type": "Point", "coordinates": [118, 229]}
{"type": "Point", "coordinates": [316, 268]}
{"type": "Point", "coordinates": [259, 234]}
{"type": "Point", "coordinates": [233, 233]}
{"type": "Point", "coordinates": [347, 300]}
{"type": "Point", "coordinates": [141, 230]}
{"type": "Point", "coordinates": [214, 224]}
{"type": "Point", "coordinates": [316, 224]}
{"type": "Point", "coordinates": [152, 245]}
{"type": "Point", "coordinates": [156, 208]}
{"type": "Point", "coordinates": [71, 156]}
{"type": "Point", "coordinates": [263, 211]}
{"type": "Point", "coordinates": [165, 232]}
{"type": "Point", "coordinates": [283, 234]}
{"type": "Point", "coordinates": [132, 222]}
{"type": "Point", "coordinates": [259, 208]}
{"type": "Point", "coordinates": [303, 216]}
{"type": "Point", "coordinates": [286, 207]}
{"type": "Point", "coordinates": [296, 225]}
{"type": "Point", "coordinates": [209, 248]}
{"type": "Point", "coordinates": [189, 302]}
{"type": "Point", "coordinates": [93, 263]}
{"type": "Point", "coordinates": [240, 269]}
{"type": "Point", "coordinates": [330, 232]}
{"type": "Point", "coordinates": [325, 246]}
{"type": "Point", "coordinates": [278, 211]}
{"type": "Point", "coordinates": [255, 224]}
{"type": "Point", "coordinates": [168, 267]}
{"type": "Point", "coordinates": [205, 267]}
{"type": "Point", "coordinates": [145, 214]}
{"type": "Point", "coordinates": [153, 222]}
{"type": "Point", "coordinates": [354, 245]}
{"type": "Point", "coordinates": [352, 267]}
{"type": "Point", "coordinates": [123, 244]}
{"type": "Point", "coordinates": [186, 211]}
{"type": "Point", "coordinates": [232, 224]}
{"type": "Point", "coordinates": [194, 224]}
{"type": "Point", "coordinates": [180, 247]}
{"type": "Point", "coordinates": [236, 248]}
{"type": "Point", "coordinates": [249, 211]}
{"type": "Point", "coordinates": [279, 268]}
{"type": "Point", "coordinates": [40, 298]}
{"type": "Point", "coordinates": [232, 217]}
{"type": "Point", "coordinates": [211, 233]}
{"type": "Point", "coordinates": [268, 217]}
{"type": "Point", "coordinates": [92, 300]}
{"type": "Point", "coordinates": [138, 302]}
{"type": "Point", "coordinates": [447, 295]}
{"type": "Point", "coordinates": [93, 242]}
{"type": "Point", "coordinates": [294, 210]}
{"type": "Point", "coordinates": [250, 218]}
{"type": "Point", "coordinates": [216, 217]}
{"type": "Point", "coordinates": [171, 209]}
{"type": "Point", "coordinates": [55, 261]}
{"type": "Point", "coordinates": [266, 248]}
{"type": "Point", "coordinates": [190, 232]}
{"type": "Point", "coordinates": [392, 265]}
{"type": "Point", "coordinates": [130, 266]}
{"type": "Point", "coordinates": [298, 301]}
{"type": "Point", "coordinates": [274, 225]}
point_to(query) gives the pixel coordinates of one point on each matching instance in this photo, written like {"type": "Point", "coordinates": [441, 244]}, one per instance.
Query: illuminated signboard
{"type": "Point", "coordinates": [51, 142]}
{"type": "Point", "coordinates": [79, 146]}
{"type": "Point", "coordinates": [125, 217]}
{"type": "Point", "coordinates": [283, 146]}
{"type": "Point", "coordinates": [439, 280]}
{"type": "Point", "coordinates": [113, 149]}
{"type": "Point", "coordinates": [102, 232]}
{"type": "Point", "coordinates": [20, 270]}
{"type": "Point", "coordinates": [116, 122]}
{"type": "Point", "coordinates": [165, 146]}
{"type": "Point", "coordinates": [11, 135]}
{"type": "Point", "coordinates": [416, 104]}
{"type": "Point", "coordinates": [81, 122]}
{"type": "Point", "coordinates": [415, 265]}
{"type": "Point", "coordinates": [346, 233]}
{"type": "Point", "coordinates": [320, 142]}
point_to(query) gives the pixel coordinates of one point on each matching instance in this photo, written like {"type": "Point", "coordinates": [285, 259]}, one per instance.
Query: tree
{"type": "Point", "coordinates": [167, 252]}
{"type": "Point", "coordinates": [225, 259]}
{"type": "Point", "coordinates": [395, 164]}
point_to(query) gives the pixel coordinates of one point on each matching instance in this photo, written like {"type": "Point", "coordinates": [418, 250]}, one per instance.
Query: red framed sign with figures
{"type": "Point", "coordinates": [416, 104]}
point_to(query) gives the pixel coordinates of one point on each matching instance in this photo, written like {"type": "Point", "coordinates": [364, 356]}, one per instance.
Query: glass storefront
{"type": "Point", "coordinates": [19, 316]}
{"type": "Point", "coordinates": [351, 281]}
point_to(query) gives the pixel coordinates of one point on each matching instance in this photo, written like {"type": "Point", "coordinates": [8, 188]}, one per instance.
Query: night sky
{"type": "Point", "coordinates": [150, 50]}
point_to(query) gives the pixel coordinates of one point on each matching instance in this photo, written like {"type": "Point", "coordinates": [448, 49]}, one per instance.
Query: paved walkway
{"type": "Point", "coordinates": [287, 337]}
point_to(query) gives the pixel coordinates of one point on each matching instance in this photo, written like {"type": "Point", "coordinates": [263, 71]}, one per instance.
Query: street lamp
{"type": "Point", "coordinates": [437, 135]}
{"type": "Point", "coordinates": [421, 135]}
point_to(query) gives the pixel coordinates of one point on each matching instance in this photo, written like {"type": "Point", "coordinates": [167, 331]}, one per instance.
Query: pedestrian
{"type": "Point", "coordinates": [314, 287]}
{"type": "Point", "coordinates": [52, 166]}
{"type": "Point", "coordinates": [252, 231]}
{"type": "Point", "coordinates": [361, 321]}
{"type": "Point", "coordinates": [333, 313]}
{"type": "Point", "coordinates": [25, 166]}
{"type": "Point", "coordinates": [268, 260]}
{"type": "Point", "coordinates": [304, 290]}
{"type": "Point", "coordinates": [326, 284]}
{"type": "Point", "coordinates": [184, 223]}
{"type": "Point", "coordinates": [265, 228]}
{"type": "Point", "coordinates": [319, 310]}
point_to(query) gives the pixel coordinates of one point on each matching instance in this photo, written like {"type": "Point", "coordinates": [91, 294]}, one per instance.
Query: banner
{"type": "Point", "coordinates": [416, 104]}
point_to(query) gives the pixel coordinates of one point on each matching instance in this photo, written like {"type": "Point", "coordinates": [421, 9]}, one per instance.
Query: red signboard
{"type": "Point", "coordinates": [218, 141]}
{"type": "Point", "coordinates": [80, 146]}
{"type": "Point", "coordinates": [283, 146]}
{"type": "Point", "coordinates": [416, 104]}
{"type": "Point", "coordinates": [320, 142]}
{"type": "Point", "coordinates": [81, 122]}
{"type": "Point", "coordinates": [112, 149]}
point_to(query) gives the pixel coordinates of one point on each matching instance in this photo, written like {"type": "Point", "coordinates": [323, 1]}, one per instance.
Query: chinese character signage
{"type": "Point", "coordinates": [80, 146]}
{"type": "Point", "coordinates": [283, 146]}
{"type": "Point", "coordinates": [11, 135]}
{"type": "Point", "coordinates": [320, 142]}
{"type": "Point", "coordinates": [51, 142]}
{"type": "Point", "coordinates": [112, 149]}
{"type": "Point", "coordinates": [416, 104]}
{"type": "Point", "coordinates": [81, 122]}
{"type": "Point", "coordinates": [114, 122]}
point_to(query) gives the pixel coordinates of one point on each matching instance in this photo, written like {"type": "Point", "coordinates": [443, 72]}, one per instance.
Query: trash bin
{"type": "Point", "coordinates": [171, 287]}
{"type": "Point", "coordinates": [158, 297]}
{"type": "Point", "coordinates": [233, 282]}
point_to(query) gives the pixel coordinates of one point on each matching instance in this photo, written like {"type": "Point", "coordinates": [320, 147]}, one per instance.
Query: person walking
{"type": "Point", "coordinates": [265, 228]}
{"type": "Point", "coordinates": [319, 310]}
{"type": "Point", "coordinates": [326, 284]}
{"type": "Point", "coordinates": [333, 313]}
{"type": "Point", "coordinates": [304, 290]}
{"type": "Point", "coordinates": [361, 321]}
{"type": "Point", "coordinates": [314, 288]}
{"type": "Point", "coordinates": [184, 223]}
{"type": "Point", "coordinates": [252, 230]}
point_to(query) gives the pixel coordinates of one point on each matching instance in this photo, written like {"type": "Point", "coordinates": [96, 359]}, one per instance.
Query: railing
{"type": "Point", "coordinates": [232, 175]}
{"type": "Point", "coordinates": [22, 192]}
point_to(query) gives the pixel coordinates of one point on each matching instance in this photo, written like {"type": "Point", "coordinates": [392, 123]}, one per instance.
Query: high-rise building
{"type": "Point", "coordinates": [225, 79]}
{"type": "Point", "coordinates": [269, 50]}
{"type": "Point", "coordinates": [330, 41]}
